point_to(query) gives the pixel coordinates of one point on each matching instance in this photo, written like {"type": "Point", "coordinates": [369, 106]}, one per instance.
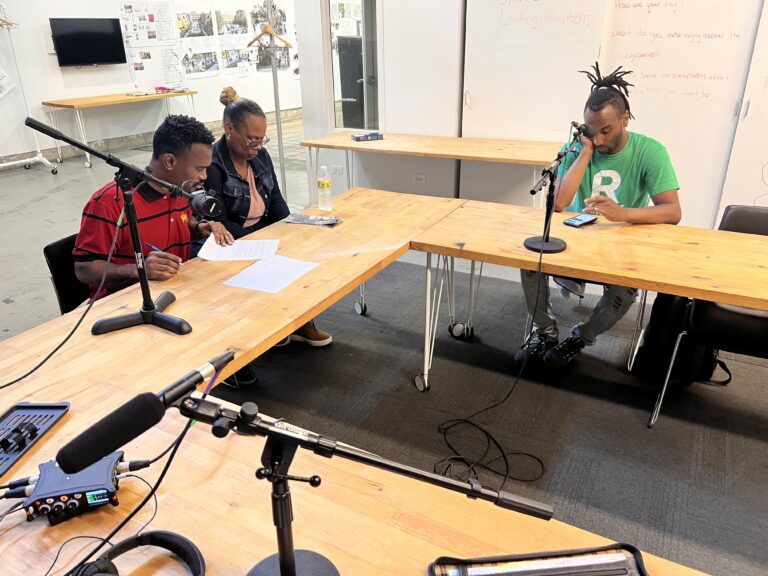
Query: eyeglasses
{"type": "Point", "coordinates": [253, 142]}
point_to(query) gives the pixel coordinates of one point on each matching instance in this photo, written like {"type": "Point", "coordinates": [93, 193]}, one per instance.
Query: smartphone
{"type": "Point", "coordinates": [580, 220]}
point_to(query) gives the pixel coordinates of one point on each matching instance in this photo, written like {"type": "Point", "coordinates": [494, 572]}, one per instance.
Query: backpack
{"type": "Point", "coordinates": [694, 362]}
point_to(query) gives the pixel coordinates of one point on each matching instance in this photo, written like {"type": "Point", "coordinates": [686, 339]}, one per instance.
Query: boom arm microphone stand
{"type": "Point", "coordinates": [128, 176]}
{"type": "Point", "coordinates": [282, 441]}
{"type": "Point", "coordinates": [545, 243]}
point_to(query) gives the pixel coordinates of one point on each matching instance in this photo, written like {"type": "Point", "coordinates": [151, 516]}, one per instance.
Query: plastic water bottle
{"type": "Point", "coordinates": [324, 186]}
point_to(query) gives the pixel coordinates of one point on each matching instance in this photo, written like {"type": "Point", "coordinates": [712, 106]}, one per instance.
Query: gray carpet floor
{"type": "Point", "coordinates": [693, 489]}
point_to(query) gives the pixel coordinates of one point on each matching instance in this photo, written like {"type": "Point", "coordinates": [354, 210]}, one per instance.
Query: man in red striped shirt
{"type": "Point", "coordinates": [181, 152]}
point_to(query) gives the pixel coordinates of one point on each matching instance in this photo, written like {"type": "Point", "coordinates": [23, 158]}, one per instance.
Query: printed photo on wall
{"type": "Point", "coordinates": [264, 62]}
{"type": "Point", "coordinates": [200, 62]}
{"type": "Point", "coordinates": [231, 22]}
{"type": "Point", "coordinates": [193, 24]}
{"type": "Point", "coordinates": [259, 16]}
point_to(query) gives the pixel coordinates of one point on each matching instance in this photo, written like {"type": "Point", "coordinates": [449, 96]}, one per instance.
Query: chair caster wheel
{"type": "Point", "coordinates": [361, 308]}
{"type": "Point", "coordinates": [421, 383]}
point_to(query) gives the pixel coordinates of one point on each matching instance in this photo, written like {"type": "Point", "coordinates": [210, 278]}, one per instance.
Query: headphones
{"type": "Point", "coordinates": [183, 548]}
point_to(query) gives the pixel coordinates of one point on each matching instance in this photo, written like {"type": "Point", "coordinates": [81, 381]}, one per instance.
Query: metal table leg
{"type": "Point", "coordinates": [81, 125]}
{"type": "Point", "coordinates": [433, 295]}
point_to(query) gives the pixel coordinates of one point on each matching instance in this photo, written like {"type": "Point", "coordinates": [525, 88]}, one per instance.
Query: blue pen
{"type": "Point", "coordinates": [156, 249]}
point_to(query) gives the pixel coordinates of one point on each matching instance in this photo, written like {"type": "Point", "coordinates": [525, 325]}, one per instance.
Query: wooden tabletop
{"type": "Point", "coordinates": [724, 267]}
{"type": "Point", "coordinates": [112, 99]}
{"type": "Point", "coordinates": [365, 520]}
{"type": "Point", "coordinates": [480, 149]}
{"type": "Point", "coordinates": [377, 228]}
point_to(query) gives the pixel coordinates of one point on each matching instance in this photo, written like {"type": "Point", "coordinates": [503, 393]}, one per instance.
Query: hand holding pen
{"type": "Point", "coordinates": [161, 265]}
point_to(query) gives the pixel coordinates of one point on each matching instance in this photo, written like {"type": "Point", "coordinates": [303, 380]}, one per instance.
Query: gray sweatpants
{"type": "Point", "coordinates": [615, 302]}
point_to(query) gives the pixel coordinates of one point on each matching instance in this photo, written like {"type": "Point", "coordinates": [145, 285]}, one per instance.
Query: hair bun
{"type": "Point", "coordinates": [228, 95]}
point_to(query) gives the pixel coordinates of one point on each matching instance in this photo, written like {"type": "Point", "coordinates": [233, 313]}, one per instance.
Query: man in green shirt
{"type": "Point", "coordinates": [613, 174]}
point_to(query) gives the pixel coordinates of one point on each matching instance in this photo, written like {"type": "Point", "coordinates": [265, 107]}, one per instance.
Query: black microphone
{"type": "Point", "coordinates": [203, 202]}
{"type": "Point", "coordinates": [132, 419]}
{"type": "Point", "coordinates": [583, 129]}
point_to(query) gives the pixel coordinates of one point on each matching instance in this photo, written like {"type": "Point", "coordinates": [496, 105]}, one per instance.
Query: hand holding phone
{"type": "Point", "coordinates": [580, 220]}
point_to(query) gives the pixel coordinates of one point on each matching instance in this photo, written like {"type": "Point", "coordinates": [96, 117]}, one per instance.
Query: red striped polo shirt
{"type": "Point", "coordinates": [162, 219]}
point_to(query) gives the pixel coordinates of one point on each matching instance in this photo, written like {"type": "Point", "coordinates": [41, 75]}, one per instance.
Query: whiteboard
{"type": "Point", "coordinates": [690, 63]}
{"type": "Point", "coordinates": [746, 180]}
{"type": "Point", "coordinates": [521, 58]}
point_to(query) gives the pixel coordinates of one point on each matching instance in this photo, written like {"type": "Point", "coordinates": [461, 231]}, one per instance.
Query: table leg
{"type": "Point", "coordinates": [433, 295]}
{"type": "Point", "coordinates": [360, 307]}
{"type": "Point", "coordinates": [52, 115]}
{"type": "Point", "coordinates": [191, 99]}
{"type": "Point", "coordinates": [84, 138]}
{"type": "Point", "coordinates": [349, 172]}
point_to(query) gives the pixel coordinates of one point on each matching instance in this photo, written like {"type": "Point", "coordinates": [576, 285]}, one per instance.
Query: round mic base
{"type": "Point", "coordinates": [308, 563]}
{"type": "Point", "coordinates": [551, 246]}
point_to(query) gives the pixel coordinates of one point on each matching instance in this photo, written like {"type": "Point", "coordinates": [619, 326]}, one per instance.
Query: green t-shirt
{"type": "Point", "coordinates": [640, 170]}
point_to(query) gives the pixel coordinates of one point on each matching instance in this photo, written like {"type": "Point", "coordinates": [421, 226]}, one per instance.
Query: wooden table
{"type": "Point", "coordinates": [78, 104]}
{"type": "Point", "coordinates": [450, 147]}
{"type": "Point", "coordinates": [699, 263]}
{"type": "Point", "coordinates": [365, 520]}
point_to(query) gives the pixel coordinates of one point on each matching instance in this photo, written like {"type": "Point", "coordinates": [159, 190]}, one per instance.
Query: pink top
{"type": "Point", "coordinates": [257, 208]}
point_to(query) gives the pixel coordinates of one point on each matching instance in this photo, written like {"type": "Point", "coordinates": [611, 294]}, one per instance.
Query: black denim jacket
{"type": "Point", "coordinates": [232, 190]}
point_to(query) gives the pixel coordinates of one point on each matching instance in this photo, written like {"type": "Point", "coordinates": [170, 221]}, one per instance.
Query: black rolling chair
{"type": "Point", "coordinates": [724, 326]}
{"type": "Point", "coordinates": [69, 290]}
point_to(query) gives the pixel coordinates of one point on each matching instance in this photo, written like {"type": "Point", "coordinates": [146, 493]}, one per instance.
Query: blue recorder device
{"type": "Point", "coordinates": [59, 496]}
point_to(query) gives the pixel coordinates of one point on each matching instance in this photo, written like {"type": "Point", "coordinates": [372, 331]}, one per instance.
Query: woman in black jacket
{"type": "Point", "coordinates": [243, 178]}
{"type": "Point", "coordinates": [242, 175]}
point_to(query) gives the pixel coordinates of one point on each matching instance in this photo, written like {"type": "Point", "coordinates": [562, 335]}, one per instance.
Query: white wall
{"type": "Point", "coordinates": [44, 80]}
{"type": "Point", "coordinates": [419, 89]}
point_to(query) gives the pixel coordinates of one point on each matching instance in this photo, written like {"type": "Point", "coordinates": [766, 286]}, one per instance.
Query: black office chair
{"type": "Point", "coordinates": [724, 326]}
{"type": "Point", "coordinates": [69, 290]}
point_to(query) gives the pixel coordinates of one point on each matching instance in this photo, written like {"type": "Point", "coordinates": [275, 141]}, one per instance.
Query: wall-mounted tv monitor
{"type": "Point", "coordinates": [87, 41]}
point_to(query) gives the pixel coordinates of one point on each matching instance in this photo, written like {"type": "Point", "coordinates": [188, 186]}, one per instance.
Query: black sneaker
{"type": "Point", "coordinates": [246, 376]}
{"type": "Point", "coordinates": [535, 348]}
{"type": "Point", "coordinates": [565, 352]}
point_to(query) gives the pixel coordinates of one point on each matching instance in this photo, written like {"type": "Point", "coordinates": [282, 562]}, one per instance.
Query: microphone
{"type": "Point", "coordinates": [132, 419]}
{"type": "Point", "coordinates": [583, 129]}
{"type": "Point", "coordinates": [203, 202]}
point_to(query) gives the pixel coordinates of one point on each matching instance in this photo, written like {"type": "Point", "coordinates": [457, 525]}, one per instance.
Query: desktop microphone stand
{"type": "Point", "coordinates": [279, 450]}
{"type": "Point", "coordinates": [544, 243]}
{"type": "Point", "coordinates": [127, 177]}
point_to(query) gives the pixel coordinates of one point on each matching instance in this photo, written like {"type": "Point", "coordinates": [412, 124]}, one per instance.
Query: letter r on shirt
{"type": "Point", "coordinates": [606, 182]}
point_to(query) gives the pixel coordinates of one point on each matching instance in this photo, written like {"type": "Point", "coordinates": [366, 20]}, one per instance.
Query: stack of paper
{"type": "Point", "coordinates": [240, 250]}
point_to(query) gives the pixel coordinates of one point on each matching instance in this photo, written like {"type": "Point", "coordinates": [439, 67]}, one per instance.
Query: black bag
{"type": "Point", "coordinates": [694, 362]}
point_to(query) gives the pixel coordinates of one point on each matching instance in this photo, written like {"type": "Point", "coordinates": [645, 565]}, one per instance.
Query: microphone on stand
{"type": "Point", "coordinates": [132, 419]}
{"type": "Point", "coordinates": [583, 129]}
{"type": "Point", "coordinates": [203, 202]}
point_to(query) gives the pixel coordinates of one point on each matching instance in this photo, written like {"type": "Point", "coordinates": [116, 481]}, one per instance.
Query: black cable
{"type": "Point", "coordinates": [472, 466]}
{"type": "Point", "coordinates": [139, 531]}
{"type": "Point", "coordinates": [82, 317]}
{"type": "Point", "coordinates": [142, 503]}
{"type": "Point", "coordinates": [61, 549]}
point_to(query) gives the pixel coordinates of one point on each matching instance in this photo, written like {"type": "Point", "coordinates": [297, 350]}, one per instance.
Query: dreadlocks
{"type": "Point", "coordinates": [611, 89]}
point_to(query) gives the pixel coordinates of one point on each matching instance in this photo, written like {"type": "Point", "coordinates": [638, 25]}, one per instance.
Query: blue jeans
{"type": "Point", "coordinates": [615, 302]}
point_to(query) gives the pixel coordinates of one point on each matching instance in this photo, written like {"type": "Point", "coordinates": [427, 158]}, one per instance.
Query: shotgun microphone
{"type": "Point", "coordinates": [132, 419]}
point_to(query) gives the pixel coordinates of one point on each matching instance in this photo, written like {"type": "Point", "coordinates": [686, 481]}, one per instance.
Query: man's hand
{"type": "Point", "coordinates": [605, 207]}
{"type": "Point", "coordinates": [161, 265]}
{"type": "Point", "coordinates": [220, 233]}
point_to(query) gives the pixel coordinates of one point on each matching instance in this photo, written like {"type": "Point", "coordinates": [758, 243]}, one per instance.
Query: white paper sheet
{"type": "Point", "coordinates": [271, 274]}
{"type": "Point", "coordinates": [240, 250]}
